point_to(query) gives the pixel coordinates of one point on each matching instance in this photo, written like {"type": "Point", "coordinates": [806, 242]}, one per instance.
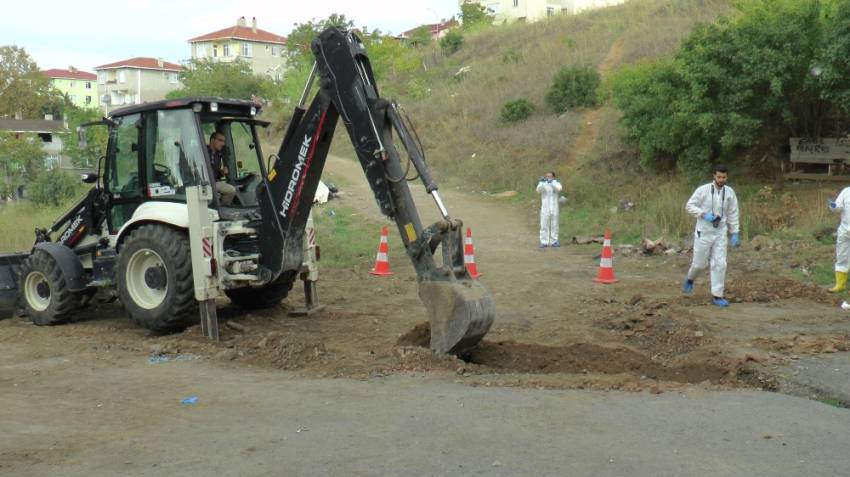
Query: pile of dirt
{"type": "Point", "coordinates": [657, 327]}
{"type": "Point", "coordinates": [805, 344]}
{"type": "Point", "coordinates": [770, 288]}
{"type": "Point", "coordinates": [420, 336]}
{"type": "Point", "coordinates": [583, 358]}
{"type": "Point", "coordinates": [511, 357]}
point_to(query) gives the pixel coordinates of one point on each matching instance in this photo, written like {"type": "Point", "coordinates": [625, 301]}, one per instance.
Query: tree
{"type": "Point", "coordinates": [95, 148]}
{"type": "Point", "coordinates": [743, 82]}
{"type": "Point", "coordinates": [230, 80]}
{"type": "Point", "coordinates": [574, 86]}
{"type": "Point", "coordinates": [451, 42]}
{"type": "Point", "coordinates": [52, 188]}
{"type": "Point", "coordinates": [21, 159]}
{"type": "Point", "coordinates": [302, 35]}
{"type": "Point", "coordinates": [420, 37]}
{"type": "Point", "coordinates": [23, 88]}
{"type": "Point", "coordinates": [834, 59]}
{"type": "Point", "coordinates": [475, 14]}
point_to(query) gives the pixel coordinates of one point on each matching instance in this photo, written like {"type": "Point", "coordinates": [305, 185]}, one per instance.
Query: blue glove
{"type": "Point", "coordinates": [708, 216]}
{"type": "Point", "coordinates": [831, 204]}
{"type": "Point", "coordinates": [734, 241]}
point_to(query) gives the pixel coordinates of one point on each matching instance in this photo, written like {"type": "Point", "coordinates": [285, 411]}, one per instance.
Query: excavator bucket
{"type": "Point", "coordinates": [460, 311]}
{"type": "Point", "coordinates": [9, 265]}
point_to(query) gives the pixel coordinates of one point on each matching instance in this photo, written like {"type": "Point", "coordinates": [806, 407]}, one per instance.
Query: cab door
{"type": "Point", "coordinates": [123, 179]}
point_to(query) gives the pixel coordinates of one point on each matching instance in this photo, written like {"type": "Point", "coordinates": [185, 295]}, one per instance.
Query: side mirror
{"type": "Point", "coordinates": [81, 138]}
{"type": "Point", "coordinates": [89, 177]}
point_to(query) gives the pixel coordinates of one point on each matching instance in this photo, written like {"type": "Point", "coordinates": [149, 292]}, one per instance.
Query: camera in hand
{"type": "Point", "coordinates": [716, 222]}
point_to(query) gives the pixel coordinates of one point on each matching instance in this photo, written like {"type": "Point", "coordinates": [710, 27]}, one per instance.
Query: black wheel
{"type": "Point", "coordinates": [263, 297]}
{"type": "Point", "coordinates": [154, 278]}
{"type": "Point", "coordinates": [45, 290]}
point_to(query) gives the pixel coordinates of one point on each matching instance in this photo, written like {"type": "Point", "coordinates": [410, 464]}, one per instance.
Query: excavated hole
{"type": "Point", "coordinates": [512, 357]}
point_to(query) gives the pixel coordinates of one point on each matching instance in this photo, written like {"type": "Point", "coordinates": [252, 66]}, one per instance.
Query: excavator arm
{"type": "Point", "coordinates": [460, 309]}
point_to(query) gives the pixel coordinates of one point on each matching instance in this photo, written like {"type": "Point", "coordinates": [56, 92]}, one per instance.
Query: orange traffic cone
{"type": "Point", "coordinates": [382, 262]}
{"type": "Point", "coordinates": [469, 255]}
{"type": "Point", "coordinates": [606, 263]}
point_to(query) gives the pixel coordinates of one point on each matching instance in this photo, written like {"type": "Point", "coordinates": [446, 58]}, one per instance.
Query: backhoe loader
{"type": "Point", "coordinates": [153, 228]}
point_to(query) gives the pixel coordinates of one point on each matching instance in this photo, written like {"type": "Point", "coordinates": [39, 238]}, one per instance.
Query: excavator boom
{"type": "Point", "coordinates": [460, 309]}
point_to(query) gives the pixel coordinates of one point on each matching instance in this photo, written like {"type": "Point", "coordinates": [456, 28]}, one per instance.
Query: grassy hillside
{"type": "Point", "coordinates": [458, 118]}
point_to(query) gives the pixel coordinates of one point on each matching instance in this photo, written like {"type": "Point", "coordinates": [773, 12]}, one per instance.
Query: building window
{"type": "Point", "coordinates": [88, 84]}
{"type": "Point", "coordinates": [73, 98]}
{"type": "Point", "coordinates": [70, 84]}
{"type": "Point", "coordinates": [120, 76]}
{"type": "Point", "coordinates": [172, 77]}
{"type": "Point", "coordinates": [200, 50]}
{"type": "Point", "coordinates": [275, 50]}
{"type": "Point", "coordinates": [516, 3]}
{"type": "Point", "coordinates": [550, 11]}
{"type": "Point", "coordinates": [245, 49]}
{"type": "Point", "coordinates": [101, 77]}
{"type": "Point", "coordinates": [88, 99]}
{"type": "Point", "coordinates": [215, 51]}
{"type": "Point", "coordinates": [225, 50]}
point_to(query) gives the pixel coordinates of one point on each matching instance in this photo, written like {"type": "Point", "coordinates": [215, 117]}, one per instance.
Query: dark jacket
{"type": "Point", "coordinates": [217, 161]}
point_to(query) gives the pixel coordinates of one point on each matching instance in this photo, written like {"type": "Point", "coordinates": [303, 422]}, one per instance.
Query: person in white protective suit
{"type": "Point", "coordinates": [548, 187]}
{"type": "Point", "coordinates": [842, 239]}
{"type": "Point", "coordinates": [715, 207]}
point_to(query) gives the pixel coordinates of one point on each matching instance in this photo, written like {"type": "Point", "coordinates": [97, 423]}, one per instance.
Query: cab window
{"type": "Point", "coordinates": [175, 157]}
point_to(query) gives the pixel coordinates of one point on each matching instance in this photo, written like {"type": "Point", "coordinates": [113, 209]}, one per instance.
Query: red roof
{"type": "Point", "coordinates": [69, 74]}
{"type": "Point", "coordinates": [142, 63]}
{"type": "Point", "coordinates": [434, 28]}
{"type": "Point", "coordinates": [241, 33]}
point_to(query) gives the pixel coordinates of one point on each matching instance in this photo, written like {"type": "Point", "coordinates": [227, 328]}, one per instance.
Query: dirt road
{"type": "Point", "coordinates": [554, 329]}
{"type": "Point", "coordinates": [104, 414]}
{"type": "Point", "coordinates": [554, 326]}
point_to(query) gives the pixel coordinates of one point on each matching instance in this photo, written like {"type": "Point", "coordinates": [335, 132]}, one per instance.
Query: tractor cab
{"type": "Point", "coordinates": [156, 150]}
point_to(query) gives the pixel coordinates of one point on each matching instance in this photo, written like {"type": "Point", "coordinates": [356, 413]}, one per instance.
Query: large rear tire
{"type": "Point", "coordinates": [155, 282]}
{"type": "Point", "coordinates": [263, 297]}
{"type": "Point", "coordinates": [45, 290]}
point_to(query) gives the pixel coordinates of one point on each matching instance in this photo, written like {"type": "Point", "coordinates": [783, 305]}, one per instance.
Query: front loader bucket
{"type": "Point", "coordinates": [461, 313]}
{"type": "Point", "coordinates": [9, 265]}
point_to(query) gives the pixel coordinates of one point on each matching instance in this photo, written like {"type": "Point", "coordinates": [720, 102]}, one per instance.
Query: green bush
{"type": "Point", "coordinates": [743, 83]}
{"type": "Point", "coordinates": [517, 110]}
{"type": "Point", "coordinates": [52, 188]}
{"type": "Point", "coordinates": [574, 86]}
{"type": "Point", "coordinates": [451, 42]}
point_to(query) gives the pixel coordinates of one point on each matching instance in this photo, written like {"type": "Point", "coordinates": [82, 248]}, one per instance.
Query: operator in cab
{"type": "Point", "coordinates": [226, 192]}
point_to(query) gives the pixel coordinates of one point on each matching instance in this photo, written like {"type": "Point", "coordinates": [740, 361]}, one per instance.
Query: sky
{"type": "Point", "coordinates": [89, 33]}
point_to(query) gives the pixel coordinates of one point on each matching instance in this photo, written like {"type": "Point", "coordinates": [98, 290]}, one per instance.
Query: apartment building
{"type": "Point", "coordinates": [261, 49]}
{"type": "Point", "coordinates": [79, 86]}
{"type": "Point", "coordinates": [136, 80]}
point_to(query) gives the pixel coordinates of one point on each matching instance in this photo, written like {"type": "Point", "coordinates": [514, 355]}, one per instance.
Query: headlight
{"type": "Point", "coordinates": [253, 110]}
{"type": "Point", "coordinates": [214, 107]}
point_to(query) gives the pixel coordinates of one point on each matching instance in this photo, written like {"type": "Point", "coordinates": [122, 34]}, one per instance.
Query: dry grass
{"type": "Point", "coordinates": [459, 117]}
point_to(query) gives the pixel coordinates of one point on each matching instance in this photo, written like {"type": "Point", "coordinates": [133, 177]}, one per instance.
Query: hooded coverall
{"type": "Point", "coordinates": [548, 191]}
{"type": "Point", "coordinates": [842, 240]}
{"type": "Point", "coordinates": [710, 241]}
